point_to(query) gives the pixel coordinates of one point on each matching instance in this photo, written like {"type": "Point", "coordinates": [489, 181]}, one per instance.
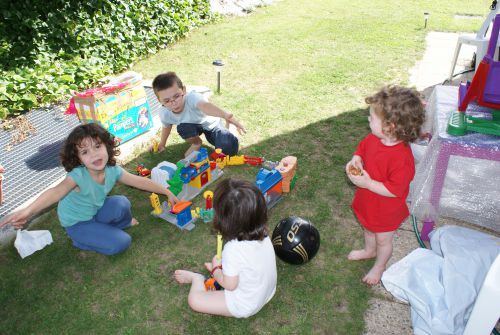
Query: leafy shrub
{"type": "Point", "coordinates": [50, 47]}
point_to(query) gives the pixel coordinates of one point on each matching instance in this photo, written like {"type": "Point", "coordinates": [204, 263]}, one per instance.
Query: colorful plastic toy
{"type": "Point", "coordinates": [211, 284]}
{"type": "Point", "coordinates": [484, 90]}
{"type": "Point", "coordinates": [287, 168]}
{"type": "Point", "coordinates": [155, 203]}
{"type": "Point", "coordinates": [143, 171]}
{"type": "Point", "coordinates": [269, 182]}
{"type": "Point", "coordinates": [180, 215]}
{"type": "Point", "coordinates": [192, 174]}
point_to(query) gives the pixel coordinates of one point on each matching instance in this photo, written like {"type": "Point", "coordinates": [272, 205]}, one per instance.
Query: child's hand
{"type": "Point", "coordinates": [356, 161]}
{"type": "Point", "coordinates": [172, 199]}
{"type": "Point", "coordinates": [159, 147]}
{"type": "Point", "coordinates": [215, 262]}
{"type": "Point", "coordinates": [362, 181]}
{"type": "Point", "coordinates": [17, 219]}
{"type": "Point", "coordinates": [236, 123]}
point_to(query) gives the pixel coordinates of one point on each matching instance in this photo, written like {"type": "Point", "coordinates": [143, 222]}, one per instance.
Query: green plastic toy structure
{"type": "Point", "coordinates": [460, 123]}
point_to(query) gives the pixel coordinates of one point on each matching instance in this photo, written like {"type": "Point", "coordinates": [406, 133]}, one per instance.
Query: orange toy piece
{"type": "Point", "coordinates": [287, 168]}
{"type": "Point", "coordinates": [180, 206]}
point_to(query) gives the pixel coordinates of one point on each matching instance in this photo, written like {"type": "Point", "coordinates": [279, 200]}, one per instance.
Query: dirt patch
{"type": "Point", "coordinates": [21, 129]}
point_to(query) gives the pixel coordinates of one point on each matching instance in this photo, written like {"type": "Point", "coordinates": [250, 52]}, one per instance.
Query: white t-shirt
{"type": "Point", "coordinates": [255, 264]}
{"type": "Point", "coordinates": [190, 114]}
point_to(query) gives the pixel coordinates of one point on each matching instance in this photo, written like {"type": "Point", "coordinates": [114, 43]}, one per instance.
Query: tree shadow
{"type": "Point", "coordinates": [46, 158]}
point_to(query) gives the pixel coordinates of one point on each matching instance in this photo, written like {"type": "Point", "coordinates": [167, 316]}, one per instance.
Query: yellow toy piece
{"type": "Point", "coordinates": [156, 146]}
{"type": "Point", "coordinates": [155, 203]}
{"type": "Point", "coordinates": [219, 246]}
{"type": "Point", "coordinates": [207, 194]}
{"type": "Point", "coordinates": [235, 160]}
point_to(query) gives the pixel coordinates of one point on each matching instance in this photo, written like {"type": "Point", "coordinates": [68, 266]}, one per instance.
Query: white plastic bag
{"type": "Point", "coordinates": [27, 242]}
{"type": "Point", "coordinates": [442, 284]}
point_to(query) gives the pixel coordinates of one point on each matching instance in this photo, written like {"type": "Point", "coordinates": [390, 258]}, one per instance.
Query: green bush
{"type": "Point", "coordinates": [50, 47]}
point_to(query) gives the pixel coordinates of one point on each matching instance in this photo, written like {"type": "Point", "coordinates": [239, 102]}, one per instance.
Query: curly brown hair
{"type": "Point", "coordinates": [69, 152]}
{"type": "Point", "coordinates": [240, 211]}
{"type": "Point", "coordinates": [401, 110]}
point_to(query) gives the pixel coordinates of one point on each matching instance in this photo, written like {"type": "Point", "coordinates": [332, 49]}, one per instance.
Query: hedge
{"type": "Point", "coordinates": [50, 47]}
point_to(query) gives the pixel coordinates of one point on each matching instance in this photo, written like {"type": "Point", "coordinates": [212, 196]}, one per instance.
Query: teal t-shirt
{"type": "Point", "coordinates": [84, 204]}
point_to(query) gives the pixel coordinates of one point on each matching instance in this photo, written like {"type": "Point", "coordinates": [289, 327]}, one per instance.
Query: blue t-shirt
{"type": "Point", "coordinates": [83, 205]}
{"type": "Point", "coordinates": [190, 114]}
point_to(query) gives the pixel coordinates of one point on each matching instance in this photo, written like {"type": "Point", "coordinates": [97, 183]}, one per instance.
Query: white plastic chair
{"type": "Point", "coordinates": [480, 40]}
{"type": "Point", "coordinates": [486, 311]}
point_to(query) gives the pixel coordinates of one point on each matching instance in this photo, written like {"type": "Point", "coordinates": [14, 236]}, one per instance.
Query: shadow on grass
{"type": "Point", "coordinates": [134, 292]}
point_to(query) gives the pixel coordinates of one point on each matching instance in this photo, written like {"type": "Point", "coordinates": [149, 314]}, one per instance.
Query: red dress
{"type": "Point", "coordinates": [394, 167]}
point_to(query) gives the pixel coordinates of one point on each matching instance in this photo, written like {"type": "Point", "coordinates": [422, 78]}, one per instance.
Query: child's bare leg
{"type": "Point", "coordinates": [369, 251]}
{"type": "Point", "coordinates": [384, 253]}
{"type": "Point", "coordinates": [195, 145]}
{"type": "Point", "coordinates": [200, 300]}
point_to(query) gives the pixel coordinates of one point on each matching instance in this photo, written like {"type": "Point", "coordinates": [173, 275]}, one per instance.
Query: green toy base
{"type": "Point", "coordinates": [459, 124]}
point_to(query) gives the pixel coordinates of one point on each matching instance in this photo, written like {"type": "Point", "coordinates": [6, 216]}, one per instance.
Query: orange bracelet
{"type": "Point", "coordinates": [215, 268]}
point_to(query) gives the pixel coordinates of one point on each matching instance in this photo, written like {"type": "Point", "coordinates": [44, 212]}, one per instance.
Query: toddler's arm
{"type": "Point", "coordinates": [212, 110]}
{"type": "Point", "coordinates": [49, 197]}
{"type": "Point", "coordinates": [365, 181]}
{"type": "Point", "coordinates": [228, 282]}
{"type": "Point", "coordinates": [147, 184]}
{"type": "Point", "coordinates": [165, 133]}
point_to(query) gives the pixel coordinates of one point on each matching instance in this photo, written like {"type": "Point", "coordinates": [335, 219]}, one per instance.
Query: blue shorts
{"type": "Point", "coordinates": [219, 137]}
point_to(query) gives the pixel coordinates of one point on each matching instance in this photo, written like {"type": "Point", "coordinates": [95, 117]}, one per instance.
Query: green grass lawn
{"type": "Point", "coordinates": [296, 75]}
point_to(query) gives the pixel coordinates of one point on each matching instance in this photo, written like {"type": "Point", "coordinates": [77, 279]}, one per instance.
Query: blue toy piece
{"type": "Point", "coordinates": [266, 179]}
{"type": "Point", "coordinates": [187, 173]}
{"type": "Point", "coordinates": [269, 182]}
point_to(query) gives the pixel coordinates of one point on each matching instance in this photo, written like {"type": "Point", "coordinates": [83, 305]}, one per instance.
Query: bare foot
{"type": "Point", "coordinates": [373, 276]}
{"type": "Point", "coordinates": [357, 255]}
{"type": "Point", "coordinates": [185, 277]}
{"type": "Point", "coordinates": [134, 222]}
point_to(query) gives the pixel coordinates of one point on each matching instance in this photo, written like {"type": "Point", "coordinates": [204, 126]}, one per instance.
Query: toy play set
{"type": "Point", "coordinates": [484, 90]}
{"type": "Point", "coordinates": [188, 177]}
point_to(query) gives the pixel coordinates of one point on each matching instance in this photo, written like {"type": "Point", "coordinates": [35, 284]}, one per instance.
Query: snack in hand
{"type": "Point", "coordinates": [355, 171]}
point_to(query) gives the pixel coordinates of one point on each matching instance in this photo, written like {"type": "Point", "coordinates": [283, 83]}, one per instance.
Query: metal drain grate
{"type": "Point", "coordinates": [33, 165]}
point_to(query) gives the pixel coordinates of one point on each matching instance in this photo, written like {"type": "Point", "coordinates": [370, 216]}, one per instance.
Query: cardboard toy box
{"type": "Point", "coordinates": [121, 107]}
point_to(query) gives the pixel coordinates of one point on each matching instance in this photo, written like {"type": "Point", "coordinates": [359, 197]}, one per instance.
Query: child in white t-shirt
{"type": "Point", "coordinates": [193, 115]}
{"type": "Point", "coordinates": [247, 271]}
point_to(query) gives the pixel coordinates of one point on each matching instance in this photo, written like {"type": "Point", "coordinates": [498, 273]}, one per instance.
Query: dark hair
{"type": "Point", "coordinates": [401, 110]}
{"type": "Point", "coordinates": [240, 211]}
{"type": "Point", "coordinates": [69, 152]}
{"type": "Point", "coordinates": [166, 80]}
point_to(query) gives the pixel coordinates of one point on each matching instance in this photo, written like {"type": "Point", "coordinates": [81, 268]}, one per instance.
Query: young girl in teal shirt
{"type": "Point", "coordinates": [92, 219]}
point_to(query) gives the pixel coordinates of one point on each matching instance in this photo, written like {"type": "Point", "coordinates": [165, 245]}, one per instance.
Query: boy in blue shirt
{"type": "Point", "coordinates": [193, 115]}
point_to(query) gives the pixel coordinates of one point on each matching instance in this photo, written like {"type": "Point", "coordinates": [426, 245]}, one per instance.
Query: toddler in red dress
{"type": "Point", "coordinates": [387, 168]}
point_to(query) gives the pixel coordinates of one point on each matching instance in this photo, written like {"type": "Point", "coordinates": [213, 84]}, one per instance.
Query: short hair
{"type": "Point", "coordinates": [166, 80]}
{"type": "Point", "coordinates": [240, 211]}
{"type": "Point", "coordinates": [401, 107]}
{"type": "Point", "coordinates": [69, 152]}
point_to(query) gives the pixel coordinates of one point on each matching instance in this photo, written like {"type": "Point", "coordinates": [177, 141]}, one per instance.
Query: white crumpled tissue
{"type": "Point", "coordinates": [27, 242]}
